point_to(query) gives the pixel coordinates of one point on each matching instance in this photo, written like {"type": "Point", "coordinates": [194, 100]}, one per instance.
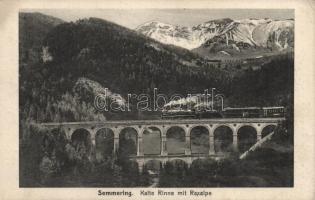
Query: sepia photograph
{"type": "Point", "coordinates": [160, 98]}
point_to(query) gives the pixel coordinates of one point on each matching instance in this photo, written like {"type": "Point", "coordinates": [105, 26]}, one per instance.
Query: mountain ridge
{"type": "Point", "coordinates": [263, 33]}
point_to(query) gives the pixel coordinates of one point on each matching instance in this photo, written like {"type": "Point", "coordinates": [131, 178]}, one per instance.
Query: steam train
{"type": "Point", "coordinates": [170, 112]}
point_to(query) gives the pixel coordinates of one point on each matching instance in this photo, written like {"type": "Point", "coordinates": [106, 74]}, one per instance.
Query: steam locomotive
{"type": "Point", "coordinates": [170, 112]}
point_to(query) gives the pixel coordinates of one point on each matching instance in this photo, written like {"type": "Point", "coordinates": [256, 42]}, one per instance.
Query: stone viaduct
{"type": "Point", "coordinates": [234, 124]}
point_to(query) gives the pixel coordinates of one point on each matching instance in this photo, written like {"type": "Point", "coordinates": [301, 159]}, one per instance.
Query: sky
{"type": "Point", "coordinates": [132, 18]}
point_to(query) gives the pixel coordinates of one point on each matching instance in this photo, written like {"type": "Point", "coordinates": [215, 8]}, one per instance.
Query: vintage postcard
{"type": "Point", "coordinates": [154, 100]}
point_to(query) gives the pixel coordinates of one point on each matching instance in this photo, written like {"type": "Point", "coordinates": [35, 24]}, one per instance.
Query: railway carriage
{"type": "Point", "coordinates": [245, 112]}
{"type": "Point", "coordinates": [273, 111]}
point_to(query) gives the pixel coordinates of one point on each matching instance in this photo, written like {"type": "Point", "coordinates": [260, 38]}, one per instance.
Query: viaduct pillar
{"type": "Point", "coordinates": [163, 142]}
{"type": "Point", "coordinates": [116, 142]}
{"type": "Point", "coordinates": [235, 142]}
{"type": "Point", "coordinates": [140, 146]}
{"type": "Point", "coordinates": [187, 142]}
{"type": "Point", "coordinates": [211, 141]}
{"type": "Point", "coordinates": [163, 145]}
{"type": "Point", "coordinates": [259, 131]}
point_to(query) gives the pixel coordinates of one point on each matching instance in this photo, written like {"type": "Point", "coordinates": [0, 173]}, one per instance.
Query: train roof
{"type": "Point", "coordinates": [274, 107]}
{"type": "Point", "coordinates": [203, 104]}
{"type": "Point", "coordinates": [244, 108]}
{"type": "Point", "coordinates": [252, 108]}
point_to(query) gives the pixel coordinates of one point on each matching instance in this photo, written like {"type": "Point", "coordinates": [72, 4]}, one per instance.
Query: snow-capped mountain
{"type": "Point", "coordinates": [269, 33]}
{"type": "Point", "coordinates": [169, 34]}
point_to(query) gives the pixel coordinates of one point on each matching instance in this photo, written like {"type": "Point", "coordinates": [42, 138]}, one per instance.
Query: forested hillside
{"type": "Point", "coordinates": [115, 57]}
{"type": "Point", "coordinates": [272, 85]}
{"type": "Point", "coordinates": [33, 28]}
